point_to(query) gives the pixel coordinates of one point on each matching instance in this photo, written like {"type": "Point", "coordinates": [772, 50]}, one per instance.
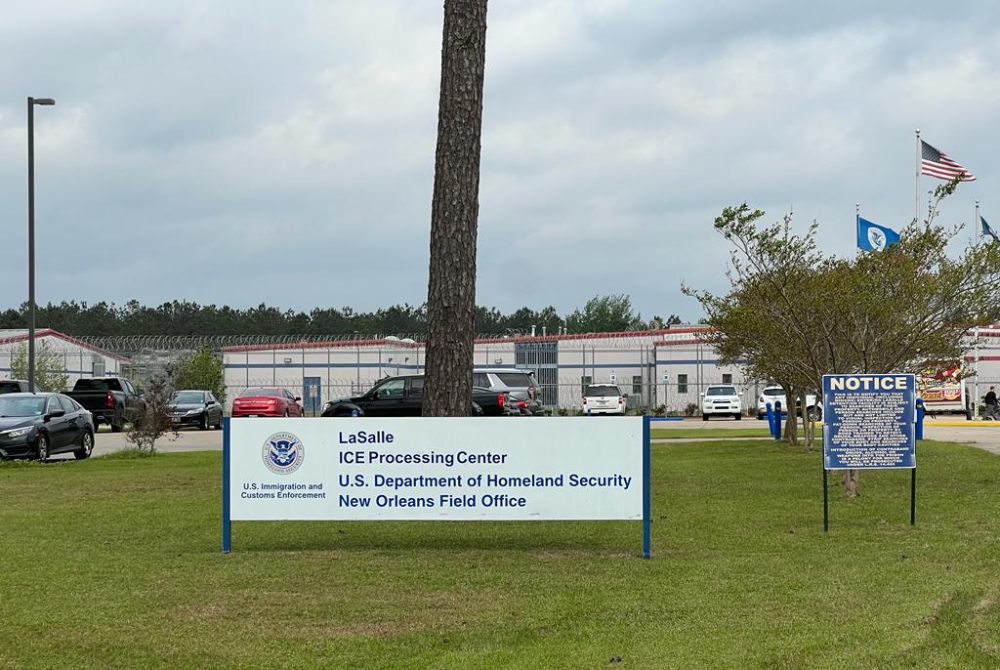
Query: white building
{"type": "Point", "coordinates": [78, 358]}
{"type": "Point", "coordinates": [659, 367]}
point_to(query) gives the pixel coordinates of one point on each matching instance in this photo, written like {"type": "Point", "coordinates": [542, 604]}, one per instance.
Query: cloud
{"type": "Point", "coordinates": [286, 154]}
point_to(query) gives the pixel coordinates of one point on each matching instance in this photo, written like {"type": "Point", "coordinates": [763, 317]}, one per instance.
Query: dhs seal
{"type": "Point", "coordinates": [876, 238]}
{"type": "Point", "coordinates": [283, 453]}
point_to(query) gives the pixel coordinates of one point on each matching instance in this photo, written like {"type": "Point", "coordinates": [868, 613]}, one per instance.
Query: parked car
{"type": "Point", "coordinates": [520, 385]}
{"type": "Point", "coordinates": [604, 399]}
{"type": "Point", "coordinates": [112, 400]}
{"type": "Point", "coordinates": [403, 396]}
{"type": "Point", "coordinates": [196, 408]}
{"type": "Point", "coordinates": [775, 394]}
{"type": "Point", "coordinates": [16, 386]}
{"type": "Point", "coordinates": [266, 401]}
{"type": "Point", "coordinates": [37, 425]}
{"type": "Point", "coordinates": [721, 400]}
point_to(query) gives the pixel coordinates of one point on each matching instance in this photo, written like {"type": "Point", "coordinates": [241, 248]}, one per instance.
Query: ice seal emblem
{"type": "Point", "coordinates": [283, 453]}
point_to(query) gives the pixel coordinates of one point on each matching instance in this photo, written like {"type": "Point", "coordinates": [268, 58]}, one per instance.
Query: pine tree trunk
{"type": "Point", "coordinates": [451, 292]}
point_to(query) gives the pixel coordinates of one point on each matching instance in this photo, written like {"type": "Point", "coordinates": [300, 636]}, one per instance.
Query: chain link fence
{"type": "Point", "coordinates": [657, 371]}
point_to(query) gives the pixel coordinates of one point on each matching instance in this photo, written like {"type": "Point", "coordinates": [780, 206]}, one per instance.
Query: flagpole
{"type": "Point", "coordinates": [857, 223]}
{"type": "Point", "coordinates": [916, 190]}
{"type": "Point", "coordinates": [975, 384]}
{"type": "Point", "coordinates": [977, 224]}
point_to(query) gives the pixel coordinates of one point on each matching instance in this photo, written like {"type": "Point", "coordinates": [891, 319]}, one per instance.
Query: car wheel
{"type": "Point", "coordinates": [42, 447]}
{"type": "Point", "coordinates": [204, 422]}
{"type": "Point", "coordinates": [704, 417]}
{"type": "Point", "coordinates": [737, 416]}
{"type": "Point", "coordinates": [86, 446]}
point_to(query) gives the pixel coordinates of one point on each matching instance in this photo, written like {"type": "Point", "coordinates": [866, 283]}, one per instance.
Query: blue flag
{"type": "Point", "coordinates": [987, 230]}
{"type": "Point", "coordinates": [873, 237]}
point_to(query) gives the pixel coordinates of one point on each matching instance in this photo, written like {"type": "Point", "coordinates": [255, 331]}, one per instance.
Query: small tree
{"type": "Point", "coordinates": [50, 369]}
{"type": "Point", "coordinates": [795, 314]}
{"type": "Point", "coordinates": [153, 420]}
{"type": "Point", "coordinates": [201, 370]}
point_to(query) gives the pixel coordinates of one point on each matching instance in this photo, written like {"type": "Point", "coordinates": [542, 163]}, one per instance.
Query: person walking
{"type": "Point", "coordinates": [991, 405]}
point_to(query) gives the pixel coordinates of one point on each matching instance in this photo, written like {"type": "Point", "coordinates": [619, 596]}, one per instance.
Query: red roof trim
{"type": "Point", "coordinates": [619, 334]}
{"type": "Point", "coordinates": [291, 346]}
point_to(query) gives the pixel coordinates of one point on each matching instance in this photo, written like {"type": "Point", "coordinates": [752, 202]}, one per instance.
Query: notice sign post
{"type": "Point", "coordinates": [868, 423]}
{"type": "Point", "coordinates": [409, 469]}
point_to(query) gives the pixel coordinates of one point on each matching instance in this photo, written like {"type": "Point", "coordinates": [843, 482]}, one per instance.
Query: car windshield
{"type": "Point", "coordinates": [189, 397]}
{"type": "Point", "coordinates": [721, 390]}
{"type": "Point", "coordinates": [22, 406]}
{"type": "Point", "coordinates": [774, 391]}
{"type": "Point", "coordinates": [256, 393]}
{"type": "Point", "coordinates": [601, 391]}
{"type": "Point", "coordinates": [10, 387]}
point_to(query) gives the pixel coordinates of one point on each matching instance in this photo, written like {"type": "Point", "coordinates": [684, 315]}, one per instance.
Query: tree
{"type": "Point", "coordinates": [50, 368]}
{"type": "Point", "coordinates": [153, 419]}
{"type": "Point", "coordinates": [604, 314]}
{"type": "Point", "coordinates": [201, 370]}
{"type": "Point", "coordinates": [794, 314]}
{"type": "Point", "coordinates": [451, 291]}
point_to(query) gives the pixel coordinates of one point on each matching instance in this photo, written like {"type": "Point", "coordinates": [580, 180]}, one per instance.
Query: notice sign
{"type": "Point", "coordinates": [487, 468]}
{"type": "Point", "coordinates": [868, 421]}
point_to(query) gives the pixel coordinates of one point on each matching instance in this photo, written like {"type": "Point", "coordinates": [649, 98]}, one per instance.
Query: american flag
{"type": "Point", "coordinates": [936, 163]}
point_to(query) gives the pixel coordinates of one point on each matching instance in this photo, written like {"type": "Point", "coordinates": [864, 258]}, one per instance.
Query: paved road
{"type": "Point", "coordinates": [985, 435]}
{"type": "Point", "coordinates": [191, 439]}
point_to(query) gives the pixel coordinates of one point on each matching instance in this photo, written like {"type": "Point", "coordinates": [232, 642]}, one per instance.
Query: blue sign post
{"type": "Point", "coordinates": [869, 423]}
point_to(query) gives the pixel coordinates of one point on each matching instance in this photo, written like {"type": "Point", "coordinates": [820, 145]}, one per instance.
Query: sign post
{"type": "Point", "coordinates": [869, 423]}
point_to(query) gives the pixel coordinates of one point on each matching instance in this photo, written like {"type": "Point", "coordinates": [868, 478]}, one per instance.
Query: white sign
{"type": "Point", "coordinates": [489, 468]}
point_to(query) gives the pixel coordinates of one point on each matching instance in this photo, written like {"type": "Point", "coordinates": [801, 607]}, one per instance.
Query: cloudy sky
{"type": "Point", "coordinates": [245, 152]}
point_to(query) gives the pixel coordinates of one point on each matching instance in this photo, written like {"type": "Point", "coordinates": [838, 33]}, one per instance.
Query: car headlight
{"type": "Point", "coordinates": [192, 412]}
{"type": "Point", "coordinates": [17, 432]}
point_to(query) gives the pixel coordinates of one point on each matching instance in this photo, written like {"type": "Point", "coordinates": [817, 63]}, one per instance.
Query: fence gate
{"type": "Point", "coordinates": [543, 358]}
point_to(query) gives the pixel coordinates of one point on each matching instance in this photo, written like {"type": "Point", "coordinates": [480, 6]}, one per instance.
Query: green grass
{"type": "Point", "coordinates": [115, 563]}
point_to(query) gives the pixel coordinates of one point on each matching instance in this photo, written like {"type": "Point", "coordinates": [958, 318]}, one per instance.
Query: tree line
{"type": "Point", "coordinates": [181, 317]}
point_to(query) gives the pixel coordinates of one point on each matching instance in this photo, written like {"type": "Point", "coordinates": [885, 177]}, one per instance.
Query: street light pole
{"type": "Point", "coordinates": [31, 235]}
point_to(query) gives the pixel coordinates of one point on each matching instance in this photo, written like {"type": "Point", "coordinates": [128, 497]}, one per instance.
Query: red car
{"type": "Point", "coordinates": [266, 401]}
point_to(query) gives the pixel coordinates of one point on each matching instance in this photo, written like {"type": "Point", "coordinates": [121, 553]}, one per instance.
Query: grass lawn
{"type": "Point", "coordinates": [115, 563]}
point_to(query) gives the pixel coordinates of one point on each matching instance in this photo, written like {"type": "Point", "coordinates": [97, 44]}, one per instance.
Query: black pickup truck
{"type": "Point", "coordinates": [403, 396]}
{"type": "Point", "coordinates": [112, 400]}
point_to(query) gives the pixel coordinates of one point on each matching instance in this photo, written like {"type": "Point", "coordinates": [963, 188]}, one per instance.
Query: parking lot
{"type": "Point", "coordinates": [985, 436]}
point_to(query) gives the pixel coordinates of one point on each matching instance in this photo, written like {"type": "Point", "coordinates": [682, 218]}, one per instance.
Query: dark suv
{"type": "Point", "coordinates": [520, 384]}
